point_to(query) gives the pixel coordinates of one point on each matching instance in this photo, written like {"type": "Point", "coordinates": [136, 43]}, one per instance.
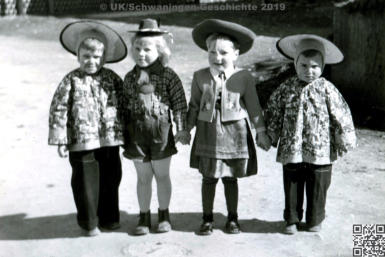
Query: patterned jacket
{"type": "Point", "coordinates": [312, 122]}
{"type": "Point", "coordinates": [83, 113]}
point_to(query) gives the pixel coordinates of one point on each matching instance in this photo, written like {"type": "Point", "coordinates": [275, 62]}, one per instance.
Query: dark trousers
{"type": "Point", "coordinates": [231, 194]}
{"type": "Point", "coordinates": [96, 175]}
{"type": "Point", "coordinates": [316, 179]}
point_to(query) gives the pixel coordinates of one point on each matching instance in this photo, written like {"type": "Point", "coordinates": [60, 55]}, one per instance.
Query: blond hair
{"type": "Point", "coordinates": [160, 43]}
{"type": "Point", "coordinates": [92, 44]}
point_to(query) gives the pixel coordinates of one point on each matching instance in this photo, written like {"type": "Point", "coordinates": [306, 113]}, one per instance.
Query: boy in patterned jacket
{"type": "Point", "coordinates": [83, 120]}
{"type": "Point", "coordinates": [313, 124]}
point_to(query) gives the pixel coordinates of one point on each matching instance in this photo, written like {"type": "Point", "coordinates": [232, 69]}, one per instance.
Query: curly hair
{"type": "Point", "coordinates": [161, 45]}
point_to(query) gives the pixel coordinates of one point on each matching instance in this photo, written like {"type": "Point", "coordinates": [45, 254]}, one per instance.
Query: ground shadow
{"type": "Point", "coordinates": [261, 226]}
{"type": "Point", "coordinates": [19, 227]}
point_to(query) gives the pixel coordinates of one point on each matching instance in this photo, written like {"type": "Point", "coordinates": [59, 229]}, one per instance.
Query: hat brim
{"type": "Point", "coordinates": [149, 32]}
{"type": "Point", "coordinates": [242, 35]}
{"type": "Point", "coordinates": [287, 47]}
{"type": "Point", "coordinates": [116, 49]}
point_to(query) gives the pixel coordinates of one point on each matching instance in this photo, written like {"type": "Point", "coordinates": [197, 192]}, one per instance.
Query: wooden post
{"type": "Point", "coordinates": [359, 31]}
{"type": "Point", "coordinates": [51, 9]}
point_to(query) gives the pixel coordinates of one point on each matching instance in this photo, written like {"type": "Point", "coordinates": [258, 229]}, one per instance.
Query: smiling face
{"type": "Point", "coordinates": [91, 55]}
{"type": "Point", "coordinates": [309, 68]}
{"type": "Point", "coordinates": [222, 54]}
{"type": "Point", "coordinates": [144, 51]}
{"type": "Point", "coordinates": [90, 60]}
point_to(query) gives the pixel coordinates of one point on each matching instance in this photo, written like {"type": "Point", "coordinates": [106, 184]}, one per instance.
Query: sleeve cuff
{"type": "Point", "coordinates": [180, 121]}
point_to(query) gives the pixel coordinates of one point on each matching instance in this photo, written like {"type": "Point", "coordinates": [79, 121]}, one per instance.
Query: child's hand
{"type": "Point", "coordinates": [183, 136]}
{"type": "Point", "coordinates": [63, 151]}
{"type": "Point", "coordinates": [263, 141]}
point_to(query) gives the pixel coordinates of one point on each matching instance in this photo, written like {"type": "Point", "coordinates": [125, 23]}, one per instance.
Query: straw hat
{"type": "Point", "coordinates": [242, 35]}
{"type": "Point", "coordinates": [292, 46]}
{"type": "Point", "coordinates": [75, 33]}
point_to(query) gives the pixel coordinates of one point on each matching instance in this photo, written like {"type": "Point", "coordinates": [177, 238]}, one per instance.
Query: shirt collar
{"type": "Point", "coordinates": [215, 73]}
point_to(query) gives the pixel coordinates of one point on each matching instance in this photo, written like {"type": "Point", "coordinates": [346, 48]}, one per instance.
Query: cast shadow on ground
{"type": "Point", "coordinates": [20, 227]}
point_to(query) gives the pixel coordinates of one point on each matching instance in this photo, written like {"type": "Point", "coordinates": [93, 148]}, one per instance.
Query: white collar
{"type": "Point", "coordinates": [215, 73]}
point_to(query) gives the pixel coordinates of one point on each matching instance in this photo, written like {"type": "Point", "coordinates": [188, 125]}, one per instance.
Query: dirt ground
{"type": "Point", "coordinates": [37, 212]}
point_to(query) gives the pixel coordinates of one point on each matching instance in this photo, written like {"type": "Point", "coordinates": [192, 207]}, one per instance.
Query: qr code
{"type": "Point", "coordinates": [369, 240]}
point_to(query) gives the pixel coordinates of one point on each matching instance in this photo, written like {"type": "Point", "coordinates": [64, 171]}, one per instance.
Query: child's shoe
{"type": "Point", "coordinates": [232, 225]}
{"type": "Point", "coordinates": [291, 229]}
{"type": "Point", "coordinates": [90, 233]}
{"type": "Point", "coordinates": [316, 228]}
{"type": "Point", "coordinates": [164, 221]}
{"type": "Point", "coordinates": [207, 226]}
{"type": "Point", "coordinates": [110, 226]}
{"type": "Point", "coordinates": [144, 224]}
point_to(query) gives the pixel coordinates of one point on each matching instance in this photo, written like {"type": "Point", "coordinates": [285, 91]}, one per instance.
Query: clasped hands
{"type": "Point", "coordinates": [263, 140]}
{"type": "Point", "coordinates": [183, 136]}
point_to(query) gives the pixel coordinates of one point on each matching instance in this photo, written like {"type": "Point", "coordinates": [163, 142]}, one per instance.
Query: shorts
{"type": "Point", "coordinates": [149, 139]}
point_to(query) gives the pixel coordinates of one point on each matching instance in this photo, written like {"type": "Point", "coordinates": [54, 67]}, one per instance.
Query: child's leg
{"type": "Point", "coordinates": [293, 183]}
{"type": "Point", "coordinates": [144, 184]}
{"type": "Point", "coordinates": [163, 182]}
{"type": "Point", "coordinates": [231, 194]}
{"type": "Point", "coordinates": [85, 187]}
{"type": "Point", "coordinates": [110, 176]}
{"type": "Point", "coordinates": [208, 194]}
{"type": "Point", "coordinates": [318, 180]}
{"type": "Point", "coordinates": [162, 176]}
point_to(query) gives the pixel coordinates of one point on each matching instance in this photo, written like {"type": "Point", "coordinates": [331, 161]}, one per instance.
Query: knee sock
{"type": "Point", "coordinates": [208, 194]}
{"type": "Point", "coordinates": [231, 194]}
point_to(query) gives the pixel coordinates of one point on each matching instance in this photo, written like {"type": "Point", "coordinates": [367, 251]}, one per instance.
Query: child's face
{"type": "Point", "coordinates": [90, 60]}
{"type": "Point", "coordinates": [222, 54]}
{"type": "Point", "coordinates": [144, 51]}
{"type": "Point", "coordinates": [309, 68]}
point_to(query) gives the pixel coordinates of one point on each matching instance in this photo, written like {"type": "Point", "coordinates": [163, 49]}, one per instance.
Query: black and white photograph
{"type": "Point", "coordinates": [192, 128]}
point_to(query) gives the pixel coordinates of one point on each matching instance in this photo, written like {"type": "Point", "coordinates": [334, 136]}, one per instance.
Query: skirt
{"type": "Point", "coordinates": [224, 149]}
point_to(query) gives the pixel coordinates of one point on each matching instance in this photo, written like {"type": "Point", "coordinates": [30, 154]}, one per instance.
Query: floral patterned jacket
{"type": "Point", "coordinates": [83, 113]}
{"type": "Point", "coordinates": [312, 122]}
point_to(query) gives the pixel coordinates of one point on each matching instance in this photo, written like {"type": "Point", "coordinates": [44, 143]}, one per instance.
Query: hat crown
{"type": "Point", "coordinates": [310, 44]}
{"type": "Point", "coordinates": [149, 24]}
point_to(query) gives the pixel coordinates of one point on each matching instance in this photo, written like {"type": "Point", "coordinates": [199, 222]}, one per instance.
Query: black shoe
{"type": "Point", "coordinates": [232, 225]}
{"type": "Point", "coordinates": [206, 229]}
{"type": "Point", "coordinates": [164, 224]}
{"type": "Point", "coordinates": [110, 226]}
{"type": "Point", "coordinates": [207, 226]}
{"type": "Point", "coordinates": [144, 224]}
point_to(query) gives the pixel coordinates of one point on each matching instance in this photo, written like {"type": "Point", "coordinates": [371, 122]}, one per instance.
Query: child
{"type": "Point", "coordinates": [151, 91]}
{"type": "Point", "coordinates": [313, 124]}
{"type": "Point", "coordinates": [223, 102]}
{"type": "Point", "coordinates": [83, 120]}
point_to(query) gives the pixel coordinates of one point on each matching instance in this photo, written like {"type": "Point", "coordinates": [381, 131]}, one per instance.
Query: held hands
{"type": "Point", "coordinates": [183, 136]}
{"type": "Point", "coordinates": [62, 151]}
{"type": "Point", "coordinates": [263, 141]}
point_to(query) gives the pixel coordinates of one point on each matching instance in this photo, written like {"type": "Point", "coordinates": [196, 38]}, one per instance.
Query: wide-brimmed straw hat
{"type": "Point", "coordinates": [242, 35]}
{"type": "Point", "coordinates": [149, 26]}
{"type": "Point", "coordinates": [75, 33]}
{"type": "Point", "coordinates": [292, 46]}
